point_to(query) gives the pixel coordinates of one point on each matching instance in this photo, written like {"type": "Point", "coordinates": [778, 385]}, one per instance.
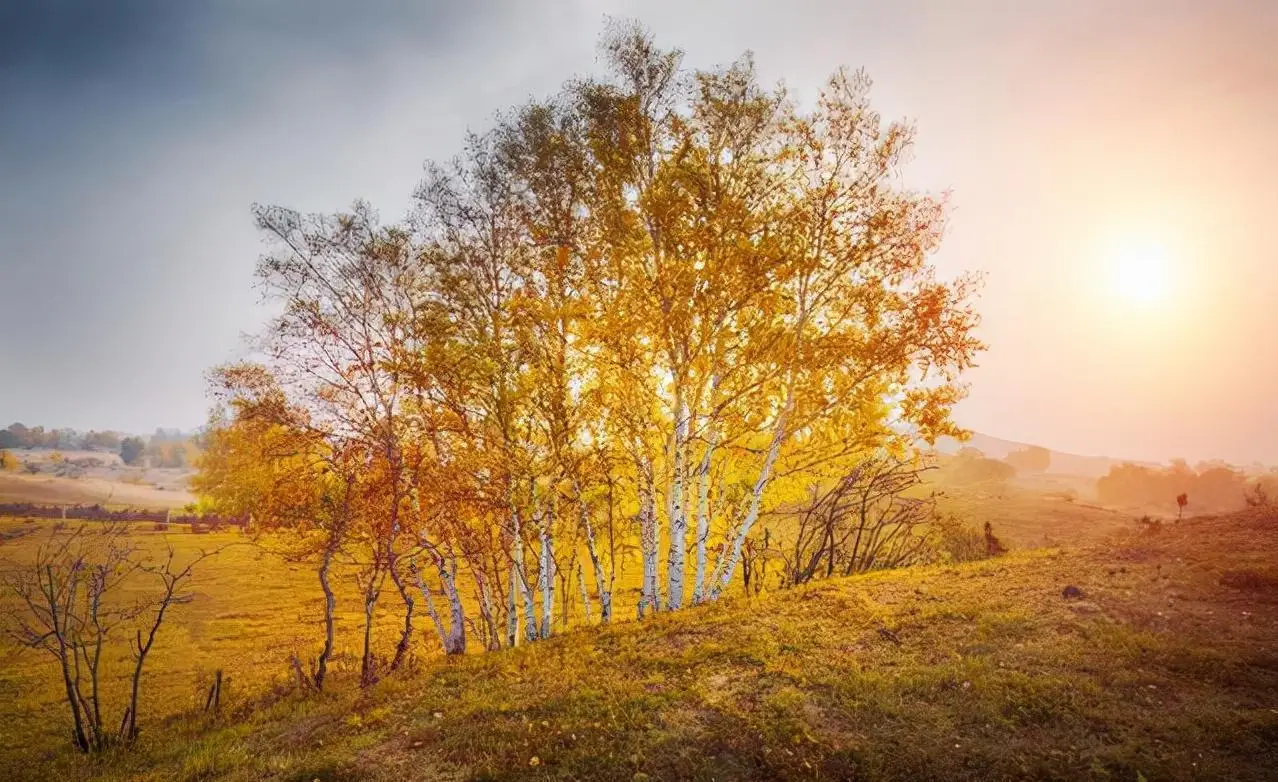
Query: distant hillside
{"type": "Point", "coordinates": [1062, 463]}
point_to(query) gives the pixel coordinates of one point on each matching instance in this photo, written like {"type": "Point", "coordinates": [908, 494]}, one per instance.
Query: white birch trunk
{"type": "Point", "coordinates": [703, 521]}
{"type": "Point", "coordinates": [487, 612]}
{"type": "Point", "coordinates": [430, 607]}
{"type": "Point", "coordinates": [521, 576]}
{"type": "Point", "coordinates": [678, 516]}
{"type": "Point", "coordinates": [547, 576]}
{"type": "Point", "coordinates": [585, 596]}
{"type": "Point", "coordinates": [601, 586]}
{"type": "Point", "coordinates": [729, 567]}
{"type": "Point", "coordinates": [512, 608]}
{"type": "Point", "coordinates": [456, 633]}
{"type": "Point", "coordinates": [648, 600]}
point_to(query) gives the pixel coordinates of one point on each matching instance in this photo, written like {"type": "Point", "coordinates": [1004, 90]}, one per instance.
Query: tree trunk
{"type": "Point", "coordinates": [601, 586]}
{"type": "Point", "coordinates": [487, 613]}
{"type": "Point", "coordinates": [530, 609]}
{"type": "Point", "coordinates": [406, 635]}
{"type": "Point", "coordinates": [330, 606]}
{"type": "Point", "coordinates": [512, 608]}
{"type": "Point", "coordinates": [649, 599]}
{"type": "Point", "coordinates": [456, 633]}
{"type": "Point", "coordinates": [430, 608]}
{"type": "Point", "coordinates": [678, 516]}
{"type": "Point", "coordinates": [703, 521]}
{"type": "Point", "coordinates": [547, 576]}
{"type": "Point", "coordinates": [367, 674]}
{"type": "Point", "coordinates": [756, 497]}
{"type": "Point", "coordinates": [585, 596]}
{"type": "Point", "coordinates": [59, 630]}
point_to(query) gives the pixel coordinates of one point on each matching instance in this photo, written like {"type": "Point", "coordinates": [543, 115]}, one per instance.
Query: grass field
{"type": "Point", "coordinates": [983, 671]}
{"type": "Point", "coordinates": [112, 492]}
{"type": "Point", "coordinates": [1025, 518]}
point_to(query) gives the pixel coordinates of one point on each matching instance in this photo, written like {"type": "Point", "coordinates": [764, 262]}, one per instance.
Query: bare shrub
{"type": "Point", "coordinates": [70, 600]}
{"type": "Point", "coordinates": [865, 521]}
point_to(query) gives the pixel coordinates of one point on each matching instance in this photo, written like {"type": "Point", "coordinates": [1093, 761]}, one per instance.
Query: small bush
{"type": "Point", "coordinates": [958, 542]}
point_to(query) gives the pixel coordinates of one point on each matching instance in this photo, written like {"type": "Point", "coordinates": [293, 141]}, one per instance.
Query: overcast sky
{"type": "Point", "coordinates": [134, 136]}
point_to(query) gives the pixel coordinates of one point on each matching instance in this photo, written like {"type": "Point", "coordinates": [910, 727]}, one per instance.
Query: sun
{"type": "Point", "coordinates": [1140, 271]}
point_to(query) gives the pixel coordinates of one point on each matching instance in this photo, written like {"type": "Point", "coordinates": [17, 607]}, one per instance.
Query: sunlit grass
{"type": "Point", "coordinates": [1156, 672]}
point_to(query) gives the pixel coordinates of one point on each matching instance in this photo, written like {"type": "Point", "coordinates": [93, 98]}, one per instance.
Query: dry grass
{"type": "Point", "coordinates": [978, 671]}
{"type": "Point", "coordinates": [115, 491]}
{"type": "Point", "coordinates": [1026, 518]}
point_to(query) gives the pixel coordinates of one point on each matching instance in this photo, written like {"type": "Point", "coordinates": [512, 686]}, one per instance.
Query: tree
{"type": "Point", "coordinates": [1033, 458]}
{"type": "Point", "coordinates": [970, 467]}
{"type": "Point", "coordinates": [132, 450]}
{"type": "Point", "coordinates": [265, 463]}
{"type": "Point", "coordinates": [659, 306]}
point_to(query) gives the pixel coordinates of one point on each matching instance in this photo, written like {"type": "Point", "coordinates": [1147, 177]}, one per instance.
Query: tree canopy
{"type": "Point", "coordinates": [658, 305]}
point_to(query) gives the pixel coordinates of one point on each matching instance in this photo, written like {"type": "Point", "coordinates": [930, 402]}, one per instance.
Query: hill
{"type": "Point", "coordinates": [1062, 462]}
{"type": "Point", "coordinates": [101, 478]}
{"type": "Point", "coordinates": [1166, 668]}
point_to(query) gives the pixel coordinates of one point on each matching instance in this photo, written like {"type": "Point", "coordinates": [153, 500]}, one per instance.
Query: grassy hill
{"type": "Point", "coordinates": [1166, 668]}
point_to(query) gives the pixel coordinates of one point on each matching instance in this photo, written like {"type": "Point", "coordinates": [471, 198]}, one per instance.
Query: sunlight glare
{"type": "Point", "coordinates": [1140, 271]}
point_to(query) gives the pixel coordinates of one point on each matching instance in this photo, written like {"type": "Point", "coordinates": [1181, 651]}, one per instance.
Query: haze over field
{"type": "Point", "coordinates": [1110, 166]}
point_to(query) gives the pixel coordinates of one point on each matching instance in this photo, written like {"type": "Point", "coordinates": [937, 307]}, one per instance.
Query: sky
{"type": "Point", "coordinates": [1111, 165]}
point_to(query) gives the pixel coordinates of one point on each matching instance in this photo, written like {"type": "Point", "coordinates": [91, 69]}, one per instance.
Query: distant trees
{"type": "Point", "coordinates": [1213, 487]}
{"type": "Point", "coordinates": [971, 466]}
{"type": "Point", "coordinates": [132, 449]}
{"type": "Point", "coordinates": [169, 453]}
{"type": "Point", "coordinates": [1033, 458]}
{"type": "Point", "coordinates": [657, 308]}
{"type": "Point", "coordinates": [1262, 490]}
{"type": "Point", "coordinates": [17, 435]}
{"type": "Point", "coordinates": [101, 441]}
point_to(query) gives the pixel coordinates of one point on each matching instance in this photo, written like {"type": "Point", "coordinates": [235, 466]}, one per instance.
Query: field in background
{"type": "Point", "coordinates": [113, 483]}
{"type": "Point", "coordinates": [53, 490]}
{"type": "Point", "coordinates": [1032, 517]}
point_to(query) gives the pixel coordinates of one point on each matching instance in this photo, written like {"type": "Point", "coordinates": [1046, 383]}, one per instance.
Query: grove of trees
{"type": "Point", "coordinates": [1210, 487]}
{"type": "Point", "coordinates": [132, 449]}
{"type": "Point", "coordinates": [628, 326]}
{"type": "Point", "coordinates": [1033, 458]}
{"type": "Point", "coordinates": [17, 435]}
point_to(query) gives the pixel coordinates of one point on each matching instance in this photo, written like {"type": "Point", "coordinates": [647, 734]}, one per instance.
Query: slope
{"type": "Point", "coordinates": [1165, 668]}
